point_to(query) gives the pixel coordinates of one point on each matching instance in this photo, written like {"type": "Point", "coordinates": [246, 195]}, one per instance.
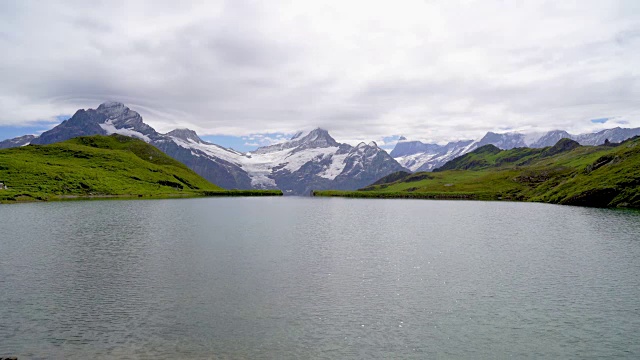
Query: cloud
{"type": "Point", "coordinates": [364, 70]}
{"type": "Point", "coordinates": [256, 140]}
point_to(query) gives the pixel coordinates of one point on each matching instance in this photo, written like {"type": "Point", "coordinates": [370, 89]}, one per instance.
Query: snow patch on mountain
{"type": "Point", "coordinates": [338, 162]}
{"type": "Point", "coordinates": [210, 150]}
{"type": "Point", "coordinates": [263, 164]}
{"type": "Point", "coordinates": [110, 128]}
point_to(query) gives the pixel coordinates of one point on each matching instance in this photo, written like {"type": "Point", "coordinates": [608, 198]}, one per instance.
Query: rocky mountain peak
{"type": "Point", "coordinates": [112, 109]}
{"type": "Point", "coordinates": [316, 138]}
{"type": "Point", "coordinates": [122, 119]}
{"type": "Point", "coordinates": [186, 135]}
{"type": "Point", "coordinates": [504, 141]}
{"type": "Point", "coordinates": [319, 138]}
{"type": "Point", "coordinates": [111, 105]}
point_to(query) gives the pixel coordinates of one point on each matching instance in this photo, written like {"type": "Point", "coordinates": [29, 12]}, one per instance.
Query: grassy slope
{"type": "Point", "coordinates": [591, 176]}
{"type": "Point", "coordinates": [99, 166]}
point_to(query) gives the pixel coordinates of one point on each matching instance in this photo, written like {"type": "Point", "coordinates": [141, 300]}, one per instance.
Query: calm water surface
{"type": "Point", "coordinates": [317, 278]}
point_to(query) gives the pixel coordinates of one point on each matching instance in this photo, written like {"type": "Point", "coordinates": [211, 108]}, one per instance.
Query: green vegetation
{"type": "Point", "coordinates": [100, 167]}
{"type": "Point", "coordinates": [566, 173]}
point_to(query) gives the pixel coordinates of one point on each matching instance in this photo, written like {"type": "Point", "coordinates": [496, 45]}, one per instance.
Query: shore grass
{"type": "Point", "coordinates": [598, 176]}
{"type": "Point", "coordinates": [105, 167]}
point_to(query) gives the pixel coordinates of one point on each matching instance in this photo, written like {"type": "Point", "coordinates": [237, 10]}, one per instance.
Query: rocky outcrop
{"type": "Point", "coordinates": [561, 146]}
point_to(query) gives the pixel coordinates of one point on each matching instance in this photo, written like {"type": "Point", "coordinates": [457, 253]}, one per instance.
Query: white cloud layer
{"type": "Point", "coordinates": [430, 70]}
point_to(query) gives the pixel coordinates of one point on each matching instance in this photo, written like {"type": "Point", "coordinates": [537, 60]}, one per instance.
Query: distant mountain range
{"type": "Point", "coordinates": [568, 173]}
{"type": "Point", "coordinates": [417, 156]}
{"type": "Point", "coordinates": [308, 161]}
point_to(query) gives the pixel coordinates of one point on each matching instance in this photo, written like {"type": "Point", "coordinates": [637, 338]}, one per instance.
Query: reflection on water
{"type": "Point", "coordinates": [320, 278]}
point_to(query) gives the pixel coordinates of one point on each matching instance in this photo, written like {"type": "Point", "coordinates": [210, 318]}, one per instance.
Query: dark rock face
{"type": "Point", "coordinates": [82, 123]}
{"type": "Point", "coordinates": [602, 161]}
{"type": "Point", "coordinates": [593, 198]}
{"type": "Point", "coordinates": [218, 171]}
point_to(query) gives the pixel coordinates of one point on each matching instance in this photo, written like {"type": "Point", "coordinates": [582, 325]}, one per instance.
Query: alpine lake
{"type": "Point", "coordinates": [318, 278]}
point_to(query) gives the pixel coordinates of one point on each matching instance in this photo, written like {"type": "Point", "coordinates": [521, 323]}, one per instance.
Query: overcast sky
{"type": "Point", "coordinates": [364, 70]}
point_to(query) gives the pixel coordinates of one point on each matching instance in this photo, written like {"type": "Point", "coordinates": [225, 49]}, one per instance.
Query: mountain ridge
{"type": "Point", "coordinates": [418, 156]}
{"type": "Point", "coordinates": [307, 161]}
{"type": "Point", "coordinates": [567, 173]}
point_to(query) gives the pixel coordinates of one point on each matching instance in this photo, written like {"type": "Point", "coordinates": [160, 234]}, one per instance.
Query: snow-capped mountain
{"type": "Point", "coordinates": [418, 156]}
{"type": "Point", "coordinates": [548, 139]}
{"type": "Point", "coordinates": [17, 142]}
{"type": "Point", "coordinates": [108, 118]}
{"type": "Point", "coordinates": [504, 141]}
{"type": "Point", "coordinates": [308, 161]}
{"type": "Point", "coordinates": [614, 135]}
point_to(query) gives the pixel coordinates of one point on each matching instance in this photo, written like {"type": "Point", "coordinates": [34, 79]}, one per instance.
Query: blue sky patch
{"type": "Point", "coordinates": [10, 132]}
{"type": "Point", "coordinates": [228, 141]}
{"type": "Point", "coordinates": [600, 121]}
{"type": "Point", "coordinates": [246, 143]}
{"type": "Point", "coordinates": [35, 128]}
{"type": "Point", "coordinates": [389, 142]}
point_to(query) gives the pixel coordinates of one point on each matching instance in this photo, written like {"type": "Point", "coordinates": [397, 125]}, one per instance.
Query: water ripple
{"type": "Point", "coordinates": [317, 278]}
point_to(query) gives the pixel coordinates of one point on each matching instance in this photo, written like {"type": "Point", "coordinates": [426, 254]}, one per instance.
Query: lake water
{"type": "Point", "coordinates": [254, 278]}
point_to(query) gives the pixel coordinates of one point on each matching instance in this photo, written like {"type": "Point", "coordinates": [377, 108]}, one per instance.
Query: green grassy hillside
{"type": "Point", "coordinates": [567, 173]}
{"type": "Point", "coordinates": [99, 166]}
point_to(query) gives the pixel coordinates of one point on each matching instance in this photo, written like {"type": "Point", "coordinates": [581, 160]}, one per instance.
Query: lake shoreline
{"type": "Point", "coordinates": [20, 198]}
{"type": "Point", "coordinates": [450, 196]}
